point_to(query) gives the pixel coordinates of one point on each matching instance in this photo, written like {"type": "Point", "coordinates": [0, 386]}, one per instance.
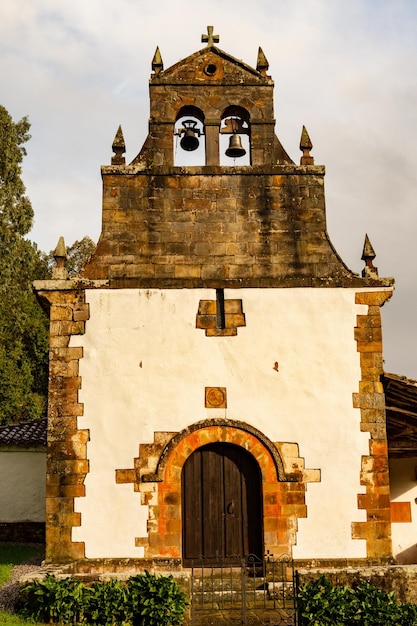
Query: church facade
{"type": "Point", "coordinates": [215, 373]}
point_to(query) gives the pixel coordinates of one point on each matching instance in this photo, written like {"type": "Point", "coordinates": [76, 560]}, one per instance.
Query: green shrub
{"type": "Point", "coordinates": [145, 600]}
{"type": "Point", "coordinates": [322, 604]}
{"type": "Point", "coordinates": [156, 600]}
{"type": "Point", "coordinates": [107, 603]}
{"type": "Point", "coordinates": [52, 600]}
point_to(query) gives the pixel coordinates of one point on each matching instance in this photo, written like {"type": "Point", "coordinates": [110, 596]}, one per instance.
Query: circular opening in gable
{"type": "Point", "coordinates": [210, 69]}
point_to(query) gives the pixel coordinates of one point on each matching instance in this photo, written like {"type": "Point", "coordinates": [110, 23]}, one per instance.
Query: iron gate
{"type": "Point", "coordinates": [247, 590]}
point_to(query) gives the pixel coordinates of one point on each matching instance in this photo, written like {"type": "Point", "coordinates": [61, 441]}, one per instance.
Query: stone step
{"type": "Point", "coordinates": [236, 596]}
{"type": "Point", "coordinates": [272, 587]}
{"type": "Point", "coordinates": [267, 596]}
{"type": "Point", "coordinates": [281, 617]}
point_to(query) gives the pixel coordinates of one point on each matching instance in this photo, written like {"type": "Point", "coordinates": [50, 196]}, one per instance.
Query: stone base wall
{"type": "Point", "coordinates": [28, 532]}
{"type": "Point", "coordinates": [388, 577]}
{"type": "Point", "coordinates": [399, 578]}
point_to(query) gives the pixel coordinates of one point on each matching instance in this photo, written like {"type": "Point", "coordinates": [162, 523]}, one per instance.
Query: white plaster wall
{"type": "Point", "coordinates": [22, 486]}
{"type": "Point", "coordinates": [403, 485]}
{"type": "Point", "coordinates": [145, 367]}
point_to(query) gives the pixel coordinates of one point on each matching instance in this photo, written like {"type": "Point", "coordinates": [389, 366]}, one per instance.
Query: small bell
{"type": "Point", "coordinates": [189, 141]}
{"type": "Point", "coordinates": [235, 149]}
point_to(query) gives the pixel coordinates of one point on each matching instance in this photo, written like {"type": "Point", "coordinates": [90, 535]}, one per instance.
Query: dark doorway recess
{"type": "Point", "coordinates": [221, 505]}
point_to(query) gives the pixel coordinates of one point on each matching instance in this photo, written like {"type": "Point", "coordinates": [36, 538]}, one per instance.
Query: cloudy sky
{"type": "Point", "coordinates": [347, 69]}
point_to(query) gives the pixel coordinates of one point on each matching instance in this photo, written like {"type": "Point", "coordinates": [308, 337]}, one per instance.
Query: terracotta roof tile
{"type": "Point", "coordinates": [24, 433]}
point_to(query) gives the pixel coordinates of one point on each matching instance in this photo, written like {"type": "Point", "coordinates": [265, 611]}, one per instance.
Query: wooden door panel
{"type": "Point", "coordinates": [192, 507]}
{"type": "Point", "coordinates": [212, 485]}
{"type": "Point", "coordinates": [222, 504]}
{"type": "Point", "coordinates": [233, 514]}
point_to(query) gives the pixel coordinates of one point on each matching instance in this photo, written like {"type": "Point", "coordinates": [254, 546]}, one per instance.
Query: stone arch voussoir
{"type": "Point", "coordinates": [228, 431]}
{"type": "Point", "coordinates": [157, 476]}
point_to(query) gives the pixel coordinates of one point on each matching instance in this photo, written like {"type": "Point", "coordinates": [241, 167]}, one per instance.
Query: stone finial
{"type": "Point", "coordinates": [119, 148]}
{"type": "Point", "coordinates": [210, 39]}
{"type": "Point", "coordinates": [262, 64]}
{"type": "Point", "coordinates": [305, 147]}
{"type": "Point", "coordinates": [157, 63]}
{"type": "Point", "coordinates": [368, 255]}
{"type": "Point", "coordinates": [60, 256]}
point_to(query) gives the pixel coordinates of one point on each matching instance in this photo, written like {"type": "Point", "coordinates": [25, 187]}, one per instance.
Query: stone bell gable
{"type": "Point", "coordinates": [223, 83]}
{"type": "Point", "coordinates": [215, 331]}
{"type": "Point", "coordinates": [259, 225]}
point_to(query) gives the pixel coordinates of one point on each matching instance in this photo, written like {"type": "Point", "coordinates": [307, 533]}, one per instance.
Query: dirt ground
{"type": "Point", "coordinates": [10, 590]}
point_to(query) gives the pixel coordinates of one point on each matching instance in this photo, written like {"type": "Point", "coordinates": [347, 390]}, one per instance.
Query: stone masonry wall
{"type": "Point", "coordinates": [371, 402]}
{"type": "Point", "coordinates": [67, 463]}
{"type": "Point", "coordinates": [170, 228]}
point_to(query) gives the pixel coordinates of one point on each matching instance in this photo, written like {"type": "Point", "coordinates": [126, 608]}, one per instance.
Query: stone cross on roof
{"type": "Point", "coordinates": [210, 39]}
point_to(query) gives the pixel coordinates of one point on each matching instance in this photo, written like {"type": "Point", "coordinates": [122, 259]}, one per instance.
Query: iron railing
{"type": "Point", "coordinates": [249, 590]}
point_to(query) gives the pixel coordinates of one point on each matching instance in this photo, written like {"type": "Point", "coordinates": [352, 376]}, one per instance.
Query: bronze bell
{"type": "Point", "coordinates": [189, 141]}
{"type": "Point", "coordinates": [235, 149]}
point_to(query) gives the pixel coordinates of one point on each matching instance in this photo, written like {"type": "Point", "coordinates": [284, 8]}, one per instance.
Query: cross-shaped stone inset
{"type": "Point", "coordinates": [210, 39]}
{"type": "Point", "coordinates": [220, 317]}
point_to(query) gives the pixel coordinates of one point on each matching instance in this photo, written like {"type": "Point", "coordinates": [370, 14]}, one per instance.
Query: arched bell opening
{"type": "Point", "coordinates": [235, 144]}
{"type": "Point", "coordinates": [189, 137]}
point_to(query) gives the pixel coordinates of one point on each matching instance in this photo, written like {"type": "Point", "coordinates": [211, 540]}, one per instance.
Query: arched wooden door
{"type": "Point", "coordinates": [221, 505]}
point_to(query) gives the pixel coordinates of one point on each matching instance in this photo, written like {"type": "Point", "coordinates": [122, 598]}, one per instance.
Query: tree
{"type": "Point", "coordinates": [78, 254]}
{"type": "Point", "coordinates": [23, 325]}
{"type": "Point", "coordinates": [15, 208]}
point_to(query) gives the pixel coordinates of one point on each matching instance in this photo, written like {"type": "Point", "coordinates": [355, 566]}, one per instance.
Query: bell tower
{"type": "Point", "coordinates": [244, 215]}
{"type": "Point", "coordinates": [208, 95]}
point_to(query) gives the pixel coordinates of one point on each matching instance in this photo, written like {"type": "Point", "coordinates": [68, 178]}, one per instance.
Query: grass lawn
{"type": "Point", "coordinates": [10, 619]}
{"type": "Point", "coordinates": [12, 554]}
